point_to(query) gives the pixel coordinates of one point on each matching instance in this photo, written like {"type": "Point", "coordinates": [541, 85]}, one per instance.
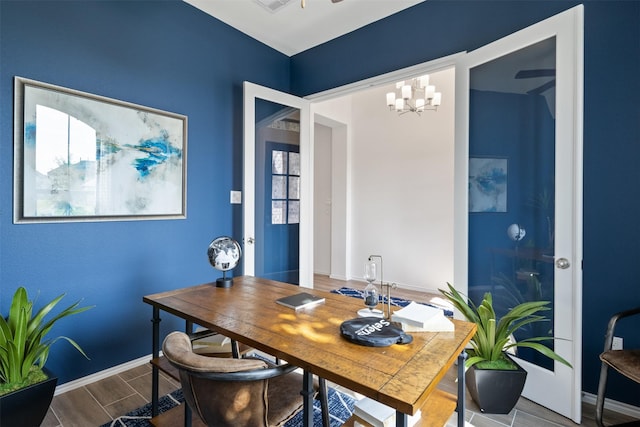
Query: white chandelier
{"type": "Point", "coordinates": [415, 95]}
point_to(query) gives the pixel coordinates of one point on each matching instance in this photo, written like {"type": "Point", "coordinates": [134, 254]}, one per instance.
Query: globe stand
{"type": "Point", "coordinates": [224, 281]}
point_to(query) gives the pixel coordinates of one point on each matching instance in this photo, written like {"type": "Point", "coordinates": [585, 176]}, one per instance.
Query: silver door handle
{"type": "Point", "coordinates": [250, 240]}
{"type": "Point", "coordinates": [563, 263]}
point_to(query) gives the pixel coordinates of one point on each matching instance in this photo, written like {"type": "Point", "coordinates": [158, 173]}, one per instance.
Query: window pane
{"type": "Point", "coordinates": [294, 163]}
{"type": "Point", "coordinates": [294, 187]}
{"type": "Point", "coordinates": [278, 212]}
{"type": "Point", "coordinates": [278, 187]}
{"type": "Point", "coordinates": [279, 162]}
{"type": "Point", "coordinates": [294, 212]}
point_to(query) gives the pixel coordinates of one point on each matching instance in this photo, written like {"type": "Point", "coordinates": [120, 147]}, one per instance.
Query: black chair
{"type": "Point", "coordinates": [626, 362]}
{"type": "Point", "coordinates": [237, 392]}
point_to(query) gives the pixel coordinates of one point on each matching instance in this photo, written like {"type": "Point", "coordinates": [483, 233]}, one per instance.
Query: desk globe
{"type": "Point", "coordinates": [224, 255]}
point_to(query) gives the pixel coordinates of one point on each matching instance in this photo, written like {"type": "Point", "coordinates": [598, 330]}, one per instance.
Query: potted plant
{"type": "Point", "coordinates": [26, 387]}
{"type": "Point", "coordinates": [495, 381]}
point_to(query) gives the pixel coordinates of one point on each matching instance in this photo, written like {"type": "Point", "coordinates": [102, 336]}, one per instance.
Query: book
{"type": "Point", "coordinates": [300, 300]}
{"type": "Point", "coordinates": [374, 413]}
{"type": "Point", "coordinates": [422, 318]}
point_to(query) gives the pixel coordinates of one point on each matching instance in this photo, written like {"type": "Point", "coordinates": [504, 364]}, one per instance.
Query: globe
{"type": "Point", "coordinates": [224, 255]}
{"type": "Point", "coordinates": [516, 232]}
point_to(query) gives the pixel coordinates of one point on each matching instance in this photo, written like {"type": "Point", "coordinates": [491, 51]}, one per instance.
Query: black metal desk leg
{"type": "Point", "coordinates": [401, 419]}
{"type": "Point", "coordinates": [155, 351]}
{"type": "Point", "coordinates": [462, 358]}
{"type": "Point", "coordinates": [307, 399]}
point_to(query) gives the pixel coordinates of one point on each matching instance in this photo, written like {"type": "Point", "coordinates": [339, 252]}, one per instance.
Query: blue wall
{"type": "Point", "coordinates": [437, 28]}
{"type": "Point", "coordinates": [168, 55]}
{"type": "Point", "coordinates": [163, 54]}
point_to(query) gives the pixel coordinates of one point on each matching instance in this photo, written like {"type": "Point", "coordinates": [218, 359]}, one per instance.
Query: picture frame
{"type": "Point", "coordinates": [488, 178]}
{"type": "Point", "coordinates": [85, 157]}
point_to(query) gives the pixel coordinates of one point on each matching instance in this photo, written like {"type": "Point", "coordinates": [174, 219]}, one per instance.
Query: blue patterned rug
{"type": "Point", "coordinates": [340, 408]}
{"type": "Point", "coordinates": [398, 302]}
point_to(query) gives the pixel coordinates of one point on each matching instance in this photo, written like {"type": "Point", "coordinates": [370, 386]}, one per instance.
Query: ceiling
{"type": "Point", "coordinates": [291, 29]}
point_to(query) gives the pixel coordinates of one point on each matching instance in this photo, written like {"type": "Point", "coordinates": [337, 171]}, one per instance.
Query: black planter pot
{"type": "Point", "coordinates": [496, 391]}
{"type": "Point", "coordinates": [28, 406]}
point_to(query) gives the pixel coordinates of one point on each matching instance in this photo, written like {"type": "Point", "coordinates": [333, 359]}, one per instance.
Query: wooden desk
{"type": "Point", "coordinates": [400, 376]}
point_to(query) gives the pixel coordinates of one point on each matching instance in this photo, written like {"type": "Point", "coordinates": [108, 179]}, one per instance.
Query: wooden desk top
{"type": "Point", "coordinates": [400, 376]}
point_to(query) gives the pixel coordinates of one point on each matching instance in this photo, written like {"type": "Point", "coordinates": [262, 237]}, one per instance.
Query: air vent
{"type": "Point", "coordinates": [273, 5]}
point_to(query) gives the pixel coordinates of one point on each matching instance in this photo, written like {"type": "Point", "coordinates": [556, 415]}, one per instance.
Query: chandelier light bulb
{"type": "Point", "coordinates": [437, 99]}
{"type": "Point", "coordinates": [399, 104]}
{"type": "Point", "coordinates": [406, 92]}
{"type": "Point", "coordinates": [391, 99]}
{"type": "Point", "coordinates": [423, 81]}
{"type": "Point", "coordinates": [429, 91]}
{"type": "Point", "coordinates": [420, 104]}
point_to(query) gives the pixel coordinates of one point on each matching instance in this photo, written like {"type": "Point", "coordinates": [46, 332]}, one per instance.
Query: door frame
{"type": "Point", "coordinates": [567, 27]}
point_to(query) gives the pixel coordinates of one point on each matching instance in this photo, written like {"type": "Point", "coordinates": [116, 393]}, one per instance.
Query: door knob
{"type": "Point", "coordinates": [563, 263]}
{"type": "Point", "coordinates": [250, 240]}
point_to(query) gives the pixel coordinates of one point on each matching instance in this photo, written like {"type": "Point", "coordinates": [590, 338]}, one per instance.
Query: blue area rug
{"type": "Point", "coordinates": [340, 408]}
{"type": "Point", "coordinates": [398, 302]}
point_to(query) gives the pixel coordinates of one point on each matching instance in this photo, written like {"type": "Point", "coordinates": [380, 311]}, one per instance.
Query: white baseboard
{"type": "Point", "coordinates": [80, 382]}
{"type": "Point", "coordinates": [613, 405]}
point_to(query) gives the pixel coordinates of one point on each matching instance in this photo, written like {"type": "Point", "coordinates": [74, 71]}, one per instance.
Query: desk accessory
{"type": "Point", "coordinates": [370, 294]}
{"type": "Point", "coordinates": [224, 254]}
{"type": "Point", "coordinates": [373, 332]}
{"type": "Point", "coordinates": [422, 318]}
{"type": "Point", "coordinates": [300, 300]}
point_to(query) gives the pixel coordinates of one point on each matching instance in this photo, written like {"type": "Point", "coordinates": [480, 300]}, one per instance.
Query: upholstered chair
{"type": "Point", "coordinates": [234, 392]}
{"type": "Point", "coordinates": [626, 362]}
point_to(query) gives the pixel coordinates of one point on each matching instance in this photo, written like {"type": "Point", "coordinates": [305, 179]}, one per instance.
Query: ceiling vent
{"type": "Point", "coordinates": [273, 5]}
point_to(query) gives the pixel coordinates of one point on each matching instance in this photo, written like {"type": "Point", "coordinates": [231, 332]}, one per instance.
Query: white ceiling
{"type": "Point", "coordinates": [293, 29]}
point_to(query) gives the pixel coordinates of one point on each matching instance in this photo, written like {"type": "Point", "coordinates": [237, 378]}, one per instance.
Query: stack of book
{"type": "Point", "coordinates": [370, 413]}
{"type": "Point", "coordinates": [422, 318]}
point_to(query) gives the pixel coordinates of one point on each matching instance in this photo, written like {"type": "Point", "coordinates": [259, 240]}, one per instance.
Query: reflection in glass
{"type": "Point", "coordinates": [277, 184]}
{"type": "Point", "coordinates": [512, 117]}
{"type": "Point", "coordinates": [278, 187]}
{"type": "Point", "coordinates": [294, 187]}
{"type": "Point", "coordinates": [294, 163]}
{"type": "Point", "coordinates": [294, 212]}
{"type": "Point", "coordinates": [279, 162]}
{"type": "Point", "coordinates": [278, 213]}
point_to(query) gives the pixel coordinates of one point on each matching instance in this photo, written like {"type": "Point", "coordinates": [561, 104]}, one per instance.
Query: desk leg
{"type": "Point", "coordinates": [155, 351]}
{"type": "Point", "coordinates": [462, 358]}
{"type": "Point", "coordinates": [401, 419]}
{"type": "Point", "coordinates": [307, 399]}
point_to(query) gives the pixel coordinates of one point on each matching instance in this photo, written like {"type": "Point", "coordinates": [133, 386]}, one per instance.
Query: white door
{"type": "Point", "coordinates": [277, 183]}
{"type": "Point", "coordinates": [519, 161]}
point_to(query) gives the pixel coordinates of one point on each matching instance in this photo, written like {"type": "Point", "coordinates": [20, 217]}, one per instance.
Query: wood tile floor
{"type": "Point", "coordinates": [104, 400]}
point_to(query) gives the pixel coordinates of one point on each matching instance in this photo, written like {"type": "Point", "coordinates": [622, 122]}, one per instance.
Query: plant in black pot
{"type": "Point", "coordinates": [26, 387]}
{"type": "Point", "coordinates": [495, 381]}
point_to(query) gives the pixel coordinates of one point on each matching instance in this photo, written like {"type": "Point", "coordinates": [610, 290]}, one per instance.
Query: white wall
{"type": "Point", "coordinates": [322, 200]}
{"type": "Point", "coordinates": [398, 179]}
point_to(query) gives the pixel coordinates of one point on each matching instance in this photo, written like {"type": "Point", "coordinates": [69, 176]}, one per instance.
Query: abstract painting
{"type": "Point", "coordinates": [83, 157]}
{"type": "Point", "coordinates": [487, 184]}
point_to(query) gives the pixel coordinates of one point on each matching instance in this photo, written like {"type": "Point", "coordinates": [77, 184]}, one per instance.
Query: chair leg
{"type": "Point", "coordinates": [602, 386]}
{"type": "Point", "coordinates": [324, 402]}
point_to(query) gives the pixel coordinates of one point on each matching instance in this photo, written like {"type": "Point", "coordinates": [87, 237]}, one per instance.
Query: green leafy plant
{"type": "Point", "coordinates": [493, 336]}
{"type": "Point", "coordinates": [23, 347]}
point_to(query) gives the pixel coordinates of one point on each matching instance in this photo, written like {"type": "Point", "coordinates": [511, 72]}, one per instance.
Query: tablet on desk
{"type": "Point", "coordinates": [301, 300]}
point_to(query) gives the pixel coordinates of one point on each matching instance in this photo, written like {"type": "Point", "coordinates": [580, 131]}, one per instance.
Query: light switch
{"type": "Point", "coordinates": [236, 197]}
